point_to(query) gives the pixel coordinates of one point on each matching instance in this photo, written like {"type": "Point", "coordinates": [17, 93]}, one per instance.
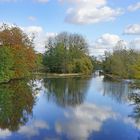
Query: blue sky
{"type": "Point", "coordinates": [100, 21]}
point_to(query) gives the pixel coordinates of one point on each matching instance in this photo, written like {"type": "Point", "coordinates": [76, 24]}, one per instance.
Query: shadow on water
{"type": "Point", "coordinates": [67, 91]}
{"type": "Point", "coordinates": [16, 103]}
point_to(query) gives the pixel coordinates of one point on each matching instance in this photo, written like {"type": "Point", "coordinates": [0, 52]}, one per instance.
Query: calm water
{"type": "Point", "coordinates": [69, 108]}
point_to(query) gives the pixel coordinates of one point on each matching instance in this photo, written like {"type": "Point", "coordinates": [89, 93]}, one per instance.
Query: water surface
{"type": "Point", "coordinates": [69, 109]}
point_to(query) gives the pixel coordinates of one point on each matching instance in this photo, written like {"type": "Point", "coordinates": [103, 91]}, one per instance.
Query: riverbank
{"type": "Point", "coordinates": [134, 83]}
{"type": "Point", "coordinates": [60, 75]}
{"type": "Point", "coordinates": [47, 75]}
{"type": "Point", "coordinates": [111, 76]}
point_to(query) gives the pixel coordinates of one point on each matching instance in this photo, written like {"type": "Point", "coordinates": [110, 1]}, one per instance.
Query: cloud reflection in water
{"type": "Point", "coordinates": [83, 120]}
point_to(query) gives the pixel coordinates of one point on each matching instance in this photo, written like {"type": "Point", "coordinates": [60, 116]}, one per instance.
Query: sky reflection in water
{"type": "Point", "coordinates": [69, 108]}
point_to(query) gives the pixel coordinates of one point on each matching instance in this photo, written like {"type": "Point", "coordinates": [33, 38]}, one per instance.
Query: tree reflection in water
{"type": "Point", "coordinates": [118, 91]}
{"type": "Point", "coordinates": [66, 91]}
{"type": "Point", "coordinates": [16, 103]}
{"type": "Point", "coordinates": [135, 99]}
{"type": "Point", "coordinates": [122, 93]}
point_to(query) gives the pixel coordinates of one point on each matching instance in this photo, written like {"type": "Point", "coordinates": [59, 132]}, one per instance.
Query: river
{"type": "Point", "coordinates": [75, 108]}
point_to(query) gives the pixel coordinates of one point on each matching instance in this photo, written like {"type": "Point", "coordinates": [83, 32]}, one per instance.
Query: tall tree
{"type": "Point", "coordinates": [14, 42]}
{"type": "Point", "coordinates": [67, 53]}
{"type": "Point", "coordinates": [123, 62]}
{"type": "Point", "coordinates": [6, 63]}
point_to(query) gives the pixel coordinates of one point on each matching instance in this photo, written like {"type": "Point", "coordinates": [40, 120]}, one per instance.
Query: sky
{"type": "Point", "coordinates": [102, 22]}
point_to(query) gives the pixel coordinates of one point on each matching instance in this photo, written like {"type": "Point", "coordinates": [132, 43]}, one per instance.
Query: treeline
{"type": "Point", "coordinates": [65, 53]}
{"type": "Point", "coordinates": [124, 63]}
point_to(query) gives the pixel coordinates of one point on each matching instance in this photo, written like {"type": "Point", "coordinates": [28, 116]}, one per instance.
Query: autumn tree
{"type": "Point", "coordinates": [16, 44]}
{"type": "Point", "coordinates": [6, 63]}
{"type": "Point", "coordinates": [16, 102]}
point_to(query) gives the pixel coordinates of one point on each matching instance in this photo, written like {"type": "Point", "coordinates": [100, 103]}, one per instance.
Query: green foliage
{"type": "Point", "coordinates": [66, 91]}
{"type": "Point", "coordinates": [123, 63]}
{"type": "Point", "coordinates": [55, 59]}
{"type": "Point", "coordinates": [83, 65]}
{"type": "Point", "coordinates": [6, 63]}
{"type": "Point", "coordinates": [17, 57]}
{"type": "Point", "coordinates": [96, 63]}
{"type": "Point", "coordinates": [39, 62]}
{"type": "Point", "coordinates": [67, 53]}
{"type": "Point", "coordinates": [16, 103]}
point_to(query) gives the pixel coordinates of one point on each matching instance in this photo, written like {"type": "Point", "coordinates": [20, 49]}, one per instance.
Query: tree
{"type": "Point", "coordinates": [17, 51]}
{"type": "Point", "coordinates": [66, 91]}
{"type": "Point", "coordinates": [67, 53]}
{"type": "Point", "coordinates": [6, 63]}
{"type": "Point", "coordinates": [16, 102]}
{"type": "Point", "coordinates": [123, 62]}
{"type": "Point", "coordinates": [39, 62]}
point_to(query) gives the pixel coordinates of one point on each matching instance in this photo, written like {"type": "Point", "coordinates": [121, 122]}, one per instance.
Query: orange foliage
{"type": "Point", "coordinates": [21, 46]}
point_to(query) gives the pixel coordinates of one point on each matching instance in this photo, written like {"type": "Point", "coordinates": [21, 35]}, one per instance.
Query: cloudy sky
{"type": "Point", "coordinates": [102, 22]}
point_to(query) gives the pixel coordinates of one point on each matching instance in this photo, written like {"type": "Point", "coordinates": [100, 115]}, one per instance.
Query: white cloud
{"type": "Point", "coordinates": [32, 18]}
{"type": "Point", "coordinates": [33, 29]}
{"type": "Point", "coordinates": [42, 1]}
{"type": "Point", "coordinates": [41, 125]}
{"type": "Point", "coordinates": [40, 36]}
{"type": "Point", "coordinates": [5, 133]}
{"type": "Point", "coordinates": [135, 44]}
{"type": "Point", "coordinates": [105, 42]}
{"type": "Point", "coordinates": [134, 7]}
{"type": "Point", "coordinates": [51, 34]}
{"type": "Point", "coordinates": [83, 120]}
{"type": "Point", "coordinates": [41, 39]}
{"type": "Point", "coordinates": [90, 11]}
{"type": "Point", "coordinates": [133, 29]}
{"type": "Point", "coordinates": [33, 129]}
{"type": "Point", "coordinates": [28, 131]}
